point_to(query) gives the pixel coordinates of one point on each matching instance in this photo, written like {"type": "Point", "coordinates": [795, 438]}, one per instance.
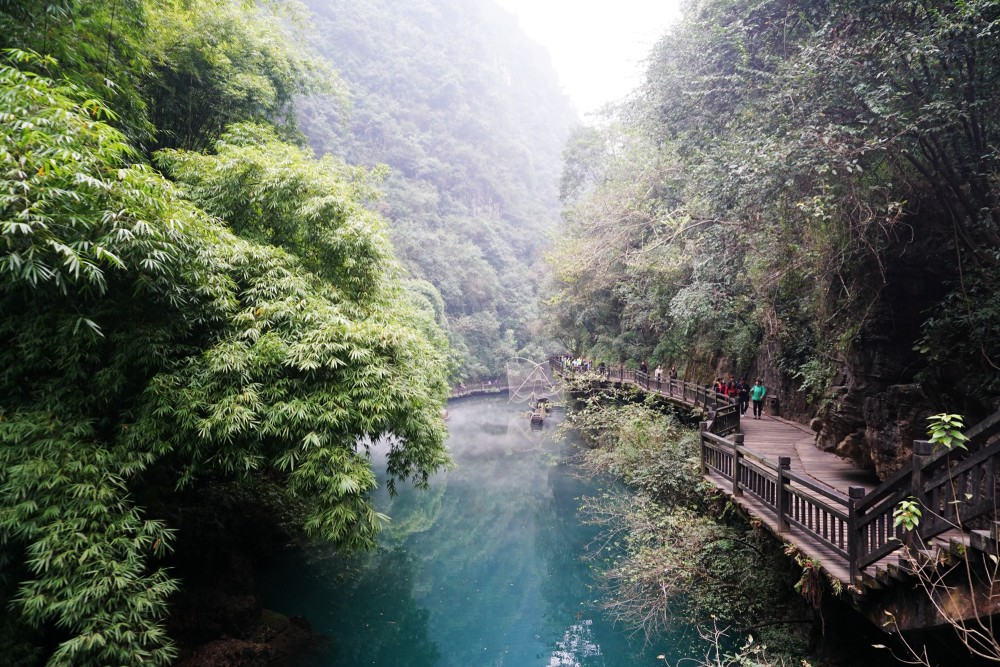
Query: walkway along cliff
{"type": "Point", "coordinates": [840, 517]}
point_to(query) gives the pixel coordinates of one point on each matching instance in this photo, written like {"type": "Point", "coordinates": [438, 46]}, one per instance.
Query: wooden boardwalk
{"type": "Point", "coordinates": [830, 510]}
{"type": "Point", "coordinates": [772, 437]}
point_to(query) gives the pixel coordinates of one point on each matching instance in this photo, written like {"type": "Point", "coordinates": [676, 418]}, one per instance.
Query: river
{"type": "Point", "coordinates": [484, 568]}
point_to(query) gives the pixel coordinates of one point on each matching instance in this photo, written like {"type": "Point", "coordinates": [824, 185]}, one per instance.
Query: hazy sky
{"type": "Point", "coordinates": [597, 46]}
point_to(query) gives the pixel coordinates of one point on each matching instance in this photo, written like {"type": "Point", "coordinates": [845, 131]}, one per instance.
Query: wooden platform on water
{"type": "Point", "coordinates": [829, 509]}
{"type": "Point", "coordinates": [772, 437]}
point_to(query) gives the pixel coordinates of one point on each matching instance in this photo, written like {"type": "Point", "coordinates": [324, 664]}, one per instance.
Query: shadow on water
{"type": "Point", "coordinates": [483, 569]}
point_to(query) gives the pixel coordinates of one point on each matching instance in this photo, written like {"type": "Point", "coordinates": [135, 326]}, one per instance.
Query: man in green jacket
{"type": "Point", "coordinates": [757, 396]}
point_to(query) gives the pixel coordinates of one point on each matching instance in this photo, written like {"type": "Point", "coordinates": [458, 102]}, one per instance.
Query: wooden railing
{"type": "Point", "coordinates": [952, 487]}
{"type": "Point", "coordinates": [725, 420]}
{"type": "Point", "coordinates": [690, 393]}
{"type": "Point", "coordinates": [797, 501]}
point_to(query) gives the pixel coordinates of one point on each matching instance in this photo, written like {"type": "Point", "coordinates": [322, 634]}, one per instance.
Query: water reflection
{"type": "Point", "coordinates": [578, 642]}
{"type": "Point", "coordinates": [482, 569]}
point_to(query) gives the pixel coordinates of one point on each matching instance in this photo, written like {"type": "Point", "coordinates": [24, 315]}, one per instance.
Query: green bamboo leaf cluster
{"type": "Point", "coordinates": [245, 321]}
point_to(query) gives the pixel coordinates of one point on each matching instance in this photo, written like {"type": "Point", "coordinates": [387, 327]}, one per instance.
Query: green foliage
{"type": "Point", "coordinates": [86, 548]}
{"type": "Point", "coordinates": [782, 167]}
{"type": "Point", "coordinates": [810, 584]}
{"type": "Point", "coordinates": [617, 279]}
{"type": "Point", "coordinates": [907, 514]}
{"type": "Point", "coordinates": [815, 375]}
{"type": "Point", "coordinates": [667, 561]}
{"type": "Point", "coordinates": [723, 652]}
{"type": "Point", "coordinates": [216, 63]}
{"type": "Point", "coordinates": [97, 46]}
{"type": "Point", "coordinates": [279, 195]}
{"type": "Point", "coordinates": [145, 347]}
{"type": "Point", "coordinates": [945, 430]}
{"type": "Point", "coordinates": [46, 189]}
{"type": "Point", "coordinates": [175, 72]}
{"type": "Point", "coordinates": [959, 339]}
{"type": "Point", "coordinates": [649, 451]}
{"type": "Point", "coordinates": [79, 555]}
{"type": "Point", "coordinates": [467, 113]}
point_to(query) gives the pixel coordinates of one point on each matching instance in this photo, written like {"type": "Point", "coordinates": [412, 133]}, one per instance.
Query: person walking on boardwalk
{"type": "Point", "coordinates": [658, 375]}
{"type": "Point", "coordinates": [757, 396]}
{"type": "Point", "coordinates": [744, 393]}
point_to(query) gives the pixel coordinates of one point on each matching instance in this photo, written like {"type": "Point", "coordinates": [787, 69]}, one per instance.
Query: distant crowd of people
{"type": "Point", "coordinates": [745, 394]}
{"type": "Point", "coordinates": [576, 363]}
{"type": "Point", "coordinates": [658, 375]}
{"type": "Point", "coordinates": [740, 390]}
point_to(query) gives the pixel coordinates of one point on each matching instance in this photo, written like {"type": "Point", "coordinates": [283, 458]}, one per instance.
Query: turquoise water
{"type": "Point", "coordinates": [485, 568]}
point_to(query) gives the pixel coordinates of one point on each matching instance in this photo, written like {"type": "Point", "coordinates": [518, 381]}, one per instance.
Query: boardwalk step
{"type": "Point", "coordinates": [958, 547]}
{"type": "Point", "coordinates": [922, 559]}
{"type": "Point", "coordinates": [932, 556]}
{"type": "Point", "coordinates": [985, 541]}
{"type": "Point", "coordinates": [909, 566]}
{"type": "Point", "coordinates": [870, 582]}
{"type": "Point", "coordinates": [898, 571]}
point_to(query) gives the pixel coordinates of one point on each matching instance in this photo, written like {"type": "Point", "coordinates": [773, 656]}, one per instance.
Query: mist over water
{"type": "Point", "coordinates": [485, 568]}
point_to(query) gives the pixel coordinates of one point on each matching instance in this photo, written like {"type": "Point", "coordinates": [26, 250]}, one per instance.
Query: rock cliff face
{"type": "Point", "coordinates": [872, 413]}
{"type": "Point", "coordinates": [876, 408]}
{"type": "Point", "coordinates": [874, 426]}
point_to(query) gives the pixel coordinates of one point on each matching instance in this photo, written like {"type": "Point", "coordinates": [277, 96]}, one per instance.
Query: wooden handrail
{"type": "Point", "coordinates": [858, 526]}
{"type": "Point", "coordinates": [951, 486]}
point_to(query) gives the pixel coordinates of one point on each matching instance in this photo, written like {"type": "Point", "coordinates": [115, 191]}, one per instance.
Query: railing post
{"type": "Point", "coordinates": [781, 498]}
{"type": "Point", "coordinates": [737, 457]}
{"type": "Point", "coordinates": [702, 427]}
{"type": "Point", "coordinates": [922, 450]}
{"type": "Point", "coordinates": [854, 536]}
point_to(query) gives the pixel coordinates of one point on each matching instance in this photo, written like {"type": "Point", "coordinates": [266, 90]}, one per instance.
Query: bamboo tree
{"type": "Point", "coordinates": [145, 348]}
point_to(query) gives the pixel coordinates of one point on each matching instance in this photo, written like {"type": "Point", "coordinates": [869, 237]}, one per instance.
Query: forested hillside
{"type": "Point", "coordinates": [196, 314]}
{"type": "Point", "coordinates": [467, 113]}
{"type": "Point", "coordinates": [804, 191]}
